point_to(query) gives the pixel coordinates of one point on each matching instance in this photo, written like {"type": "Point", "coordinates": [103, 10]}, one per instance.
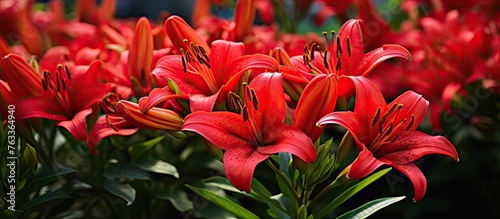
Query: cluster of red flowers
{"type": "Point", "coordinates": [248, 90]}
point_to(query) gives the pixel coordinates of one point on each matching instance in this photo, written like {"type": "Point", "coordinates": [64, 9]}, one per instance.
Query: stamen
{"type": "Point", "coordinates": [63, 84]}
{"type": "Point", "coordinates": [411, 122]}
{"type": "Point", "coordinates": [388, 112]}
{"type": "Point", "coordinates": [349, 46]}
{"type": "Point", "coordinates": [313, 46]}
{"type": "Point", "coordinates": [375, 119]}
{"type": "Point", "coordinates": [326, 39]}
{"type": "Point", "coordinates": [395, 137]}
{"type": "Point", "coordinates": [339, 48]}
{"type": "Point", "coordinates": [57, 83]}
{"type": "Point", "coordinates": [184, 64]}
{"type": "Point", "coordinates": [245, 113]}
{"type": "Point", "coordinates": [389, 130]}
{"type": "Point", "coordinates": [254, 99]}
{"type": "Point", "coordinates": [67, 72]}
{"type": "Point", "coordinates": [338, 67]}
{"type": "Point", "coordinates": [325, 61]}
{"type": "Point", "coordinates": [232, 104]}
{"type": "Point", "coordinates": [44, 85]}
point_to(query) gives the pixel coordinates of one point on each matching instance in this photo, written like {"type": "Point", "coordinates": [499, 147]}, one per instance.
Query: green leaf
{"type": "Point", "coordinates": [8, 214]}
{"type": "Point", "coordinates": [223, 183]}
{"type": "Point", "coordinates": [137, 151]}
{"type": "Point", "coordinates": [158, 166]}
{"type": "Point", "coordinates": [351, 191]}
{"type": "Point", "coordinates": [44, 178]}
{"type": "Point", "coordinates": [177, 197]}
{"type": "Point", "coordinates": [224, 203]}
{"type": "Point", "coordinates": [49, 196]}
{"type": "Point", "coordinates": [284, 160]}
{"type": "Point", "coordinates": [48, 176]}
{"type": "Point", "coordinates": [126, 170]}
{"type": "Point", "coordinates": [124, 191]}
{"type": "Point", "coordinates": [371, 207]}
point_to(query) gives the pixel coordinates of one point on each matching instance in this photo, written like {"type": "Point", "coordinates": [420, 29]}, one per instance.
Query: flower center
{"type": "Point", "coordinates": [331, 62]}
{"type": "Point", "coordinates": [195, 61]}
{"type": "Point", "coordinates": [58, 86]}
{"type": "Point", "coordinates": [247, 111]}
{"type": "Point", "coordinates": [388, 128]}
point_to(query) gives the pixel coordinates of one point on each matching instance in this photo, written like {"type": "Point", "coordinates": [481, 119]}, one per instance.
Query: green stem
{"type": "Point", "coordinates": [321, 193]}
{"type": "Point", "coordinates": [285, 179]}
{"type": "Point", "coordinates": [270, 201]}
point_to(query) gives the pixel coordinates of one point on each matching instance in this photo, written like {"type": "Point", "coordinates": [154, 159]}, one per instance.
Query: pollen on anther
{"type": "Point", "coordinates": [67, 72]}
{"type": "Point", "coordinates": [349, 46]}
{"type": "Point", "coordinates": [411, 122]}
{"type": "Point", "coordinates": [375, 119]}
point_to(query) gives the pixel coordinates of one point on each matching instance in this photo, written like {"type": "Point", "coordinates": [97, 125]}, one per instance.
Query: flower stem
{"type": "Point", "coordinates": [285, 179]}
{"type": "Point", "coordinates": [321, 193]}
{"type": "Point", "coordinates": [270, 201]}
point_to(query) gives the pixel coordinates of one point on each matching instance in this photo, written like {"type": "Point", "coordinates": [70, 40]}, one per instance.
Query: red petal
{"type": "Point", "coordinates": [241, 65]}
{"type": "Point", "coordinates": [200, 102]}
{"type": "Point", "coordinates": [83, 78]}
{"type": "Point", "coordinates": [317, 99]}
{"type": "Point", "coordinates": [177, 30]}
{"type": "Point", "coordinates": [23, 80]}
{"type": "Point", "coordinates": [77, 126]}
{"type": "Point", "coordinates": [414, 144]}
{"type": "Point", "coordinates": [368, 96]}
{"type": "Point", "coordinates": [448, 92]}
{"type": "Point", "coordinates": [53, 57]}
{"type": "Point", "coordinates": [140, 55]}
{"type": "Point", "coordinates": [413, 104]}
{"type": "Point", "coordinates": [157, 96]}
{"type": "Point", "coordinates": [171, 67]}
{"type": "Point", "coordinates": [416, 177]}
{"type": "Point", "coordinates": [239, 165]}
{"type": "Point", "coordinates": [225, 130]}
{"type": "Point", "coordinates": [156, 119]}
{"type": "Point", "coordinates": [271, 100]}
{"type": "Point", "coordinates": [244, 15]}
{"type": "Point", "coordinates": [101, 130]}
{"type": "Point", "coordinates": [360, 130]}
{"type": "Point", "coordinates": [288, 139]}
{"type": "Point", "coordinates": [41, 107]}
{"type": "Point", "coordinates": [377, 56]}
{"type": "Point", "coordinates": [224, 53]}
{"type": "Point", "coordinates": [364, 165]}
{"type": "Point", "coordinates": [350, 64]}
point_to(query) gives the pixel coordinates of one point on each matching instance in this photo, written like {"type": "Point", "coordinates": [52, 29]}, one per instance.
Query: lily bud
{"type": "Point", "coordinates": [244, 15]}
{"type": "Point", "coordinates": [23, 80]}
{"type": "Point", "coordinates": [317, 100]}
{"type": "Point", "coordinates": [84, 9]}
{"type": "Point", "coordinates": [343, 149]}
{"type": "Point", "coordinates": [107, 9]}
{"type": "Point", "coordinates": [140, 54]}
{"type": "Point", "coordinates": [343, 178]}
{"type": "Point", "coordinates": [178, 30]}
{"type": "Point", "coordinates": [155, 119]}
{"type": "Point", "coordinates": [201, 10]}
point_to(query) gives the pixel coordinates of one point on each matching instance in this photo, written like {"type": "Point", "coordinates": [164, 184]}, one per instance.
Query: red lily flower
{"type": "Point", "coordinates": [207, 78]}
{"type": "Point", "coordinates": [109, 124]}
{"type": "Point", "coordinates": [66, 97]}
{"type": "Point", "coordinates": [16, 23]}
{"type": "Point", "coordinates": [345, 55]}
{"type": "Point", "coordinates": [386, 133]}
{"type": "Point", "coordinates": [257, 133]}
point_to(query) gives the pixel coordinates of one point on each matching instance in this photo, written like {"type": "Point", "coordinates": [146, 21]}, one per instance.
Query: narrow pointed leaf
{"type": "Point", "coordinates": [351, 191]}
{"type": "Point", "coordinates": [224, 203]}
{"type": "Point", "coordinates": [371, 207]}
